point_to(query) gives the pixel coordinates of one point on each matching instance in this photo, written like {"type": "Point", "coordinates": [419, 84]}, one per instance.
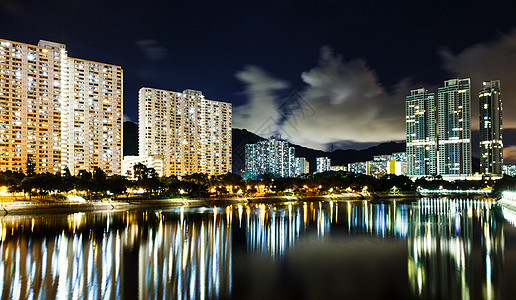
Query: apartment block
{"type": "Point", "coordinates": [58, 112]}
{"type": "Point", "coordinates": [271, 156]}
{"type": "Point", "coordinates": [190, 132]}
{"type": "Point", "coordinates": [322, 164]}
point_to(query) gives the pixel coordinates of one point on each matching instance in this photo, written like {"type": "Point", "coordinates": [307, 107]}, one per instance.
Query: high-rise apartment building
{"type": "Point", "coordinates": [190, 132]}
{"type": "Point", "coordinates": [491, 145]}
{"type": "Point", "coordinates": [271, 156]}
{"type": "Point", "coordinates": [420, 108]}
{"type": "Point", "coordinates": [322, 164]}
{"type": "Point", "coordinates": [453, 110]}
{"type": "Point", "coordinates": [302, 166]}
{"type": "Point", "coordinates": [58, 112]}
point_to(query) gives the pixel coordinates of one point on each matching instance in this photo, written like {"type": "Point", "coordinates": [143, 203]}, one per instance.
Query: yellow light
{"type": "Point", "coordinates": [3, 191]}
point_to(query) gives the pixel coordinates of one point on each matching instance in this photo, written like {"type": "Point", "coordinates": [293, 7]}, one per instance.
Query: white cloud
{"type": "Point", "coordinates": [126, 118]}
{"type": "Point", "coordinates": [349, 104]}
{"type": "Point", "coordinates": [260, 113]}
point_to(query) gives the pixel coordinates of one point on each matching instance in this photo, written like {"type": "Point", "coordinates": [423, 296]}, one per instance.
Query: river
{"type": "Point", "coordinates": [433, 248]}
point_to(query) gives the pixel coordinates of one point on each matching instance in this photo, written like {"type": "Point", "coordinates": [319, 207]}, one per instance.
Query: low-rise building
{"type": "Point", "coordinates": [338, 168]}
{"type": "Point", "coordinates": [150, 161]}
{"type": "Point", "coordinates": [509, 170]}
{"type": "Point", "coordinates": [381, 165]}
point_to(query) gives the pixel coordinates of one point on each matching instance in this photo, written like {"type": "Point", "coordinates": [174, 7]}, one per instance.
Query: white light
{"type": "Point", "coordinates": [75, 198]}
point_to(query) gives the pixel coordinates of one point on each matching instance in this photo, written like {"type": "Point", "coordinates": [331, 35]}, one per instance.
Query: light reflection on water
{"type": "Point", "coordinates": [449, 249]}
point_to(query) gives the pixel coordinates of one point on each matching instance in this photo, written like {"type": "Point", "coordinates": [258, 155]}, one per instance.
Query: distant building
{"type": "Point", "coordinates": [509, 170]}
{"type": "Point", "coordinates": [359, 168]}
{"type": "Point", "coordinates": [338, 168]}
{"type": "Point", "coordinates": [322, 164]}
{"type": "Point", "coordinates": [399, 156]}
{"type": "Point", "coordinates": [270, 156]}
{"type": "Point", "coordinates": [383, 157]}
{"type": "Point", "coordinates": [151, 161]}
{"type": "Point", "coordinates": [377, 168]}
{"type": "Point", "coordinates": [190, 132]}
{"type": "Point", "coordinates": [381, 165]}
{"type": "Point", "coordinates": [491, 145]}
{"type": "Point", "coordinates": [421, 155]}
{"type": "Point", "coordinates": [302, 166]}
{"type": "Point", "coordinates": [58, 112]}
{"type": "Point", "coordinates": [453, 110]}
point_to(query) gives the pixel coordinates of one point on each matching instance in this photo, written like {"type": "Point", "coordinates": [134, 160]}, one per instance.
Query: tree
{"type": "Point", "coordinates": [98, 181]}
{"type": "Point", "coordinates": [117, 185]}
{"type": "Point", "coordinates": [68, 181]}
{"type": "Point", "coordinates": [31, 166]}
{"type": "Point", "coordinates": [146, 178]}
{"type": "Point", "coordinates": [85, 182]}
{"type": "Point", "coordinates": [140, 171]}
{"type": "Point", "coordinates": [41, 184]}
{"type": "Point", "coordinates": [12, 180]}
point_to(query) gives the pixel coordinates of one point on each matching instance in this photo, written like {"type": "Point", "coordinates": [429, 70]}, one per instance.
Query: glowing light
{"type": "Point", "coordinates": [75, 198]}
{"type": "Point", "coordinates": [3, 191]}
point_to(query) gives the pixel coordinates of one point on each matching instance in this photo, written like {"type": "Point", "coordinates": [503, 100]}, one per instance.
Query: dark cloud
{"type": "Point", "coordinates": [12, 8]}
{"type": "Point", "coordinates": [152, 50]}
{"type": "Point", "coordinates": [484, 62]}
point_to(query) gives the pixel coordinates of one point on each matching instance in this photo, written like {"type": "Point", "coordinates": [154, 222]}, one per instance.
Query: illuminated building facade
{"type": "Point", "coordinates": [395, 163]}
{"type": "Point", "coordinates": [322, 164]}
{"type": "Point", "coordinates": [420, 108]}
{"type": "Point", "coordinates": [58, 112]}
{"type": "Point", "coordinates": [509, 170]}
{"type": "Point", "coordinates": [491, 145]}
{"type": "Point", "coordinates": [453, 110]}
{"type": "Point", "coordinates": [359, 168]}
{"type": "Point", "coordinates": [192, 133]}
{"type": "Point", "coordinates": [302, 166]}
{"type": "Point", "coordinates": [152, 161]}
{"type": "Point", "coordinates": [271, 156]}
{"type": "Point", "coordinates": [338, 168]}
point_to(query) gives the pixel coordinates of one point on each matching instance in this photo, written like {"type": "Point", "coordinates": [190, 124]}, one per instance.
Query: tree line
{"type": "Point", "coordinates": [97, 185]}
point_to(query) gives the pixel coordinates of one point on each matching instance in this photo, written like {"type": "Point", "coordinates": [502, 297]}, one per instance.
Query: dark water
{"type": "Point", "coordinates": [430, 249]}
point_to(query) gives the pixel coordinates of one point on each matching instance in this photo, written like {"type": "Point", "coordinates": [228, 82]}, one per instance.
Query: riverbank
{"type": "Point", "coordinates": [26, 207]}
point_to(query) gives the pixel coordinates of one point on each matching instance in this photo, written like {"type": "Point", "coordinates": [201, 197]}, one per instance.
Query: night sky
{"type": "Point", "coordinates": [320, 73]}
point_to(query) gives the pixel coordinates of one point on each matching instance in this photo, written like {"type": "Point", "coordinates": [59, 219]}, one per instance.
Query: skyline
{"type": "Point", "coordinates": [255, 55]}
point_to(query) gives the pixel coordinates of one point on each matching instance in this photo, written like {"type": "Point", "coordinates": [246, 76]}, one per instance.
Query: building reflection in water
{"type": "Point", "coordinates": [188, 253]}
{"type": "Point", "coordinates": [41, 261]}
{"type": "Point", "coordinates": [441, 249]}
{"type": "Point", "coordinates": [186, 259]}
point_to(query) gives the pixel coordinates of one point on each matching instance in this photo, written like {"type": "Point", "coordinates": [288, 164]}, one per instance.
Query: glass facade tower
{"type": "Point", "coordinates": [454, 119]}
{"type": "Point", "coordinates": [491, 145]}
{"type": "Point", "coordinates": [420, 108]}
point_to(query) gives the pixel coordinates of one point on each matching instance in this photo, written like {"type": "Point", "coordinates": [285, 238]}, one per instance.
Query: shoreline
{"type": "Point", "coordinates": [28, 208]}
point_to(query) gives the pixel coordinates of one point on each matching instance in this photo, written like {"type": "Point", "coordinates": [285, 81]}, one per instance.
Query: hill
{"type": "Point", "coordinates": [130, 138]}
{"type": "Point", "coordinates": [241, 137]}
{"type": "Point", "coordinates": [338, 157]}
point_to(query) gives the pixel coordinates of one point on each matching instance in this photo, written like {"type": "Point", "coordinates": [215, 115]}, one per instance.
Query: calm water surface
{"type": "Point", "coordinates": [432, 248]}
